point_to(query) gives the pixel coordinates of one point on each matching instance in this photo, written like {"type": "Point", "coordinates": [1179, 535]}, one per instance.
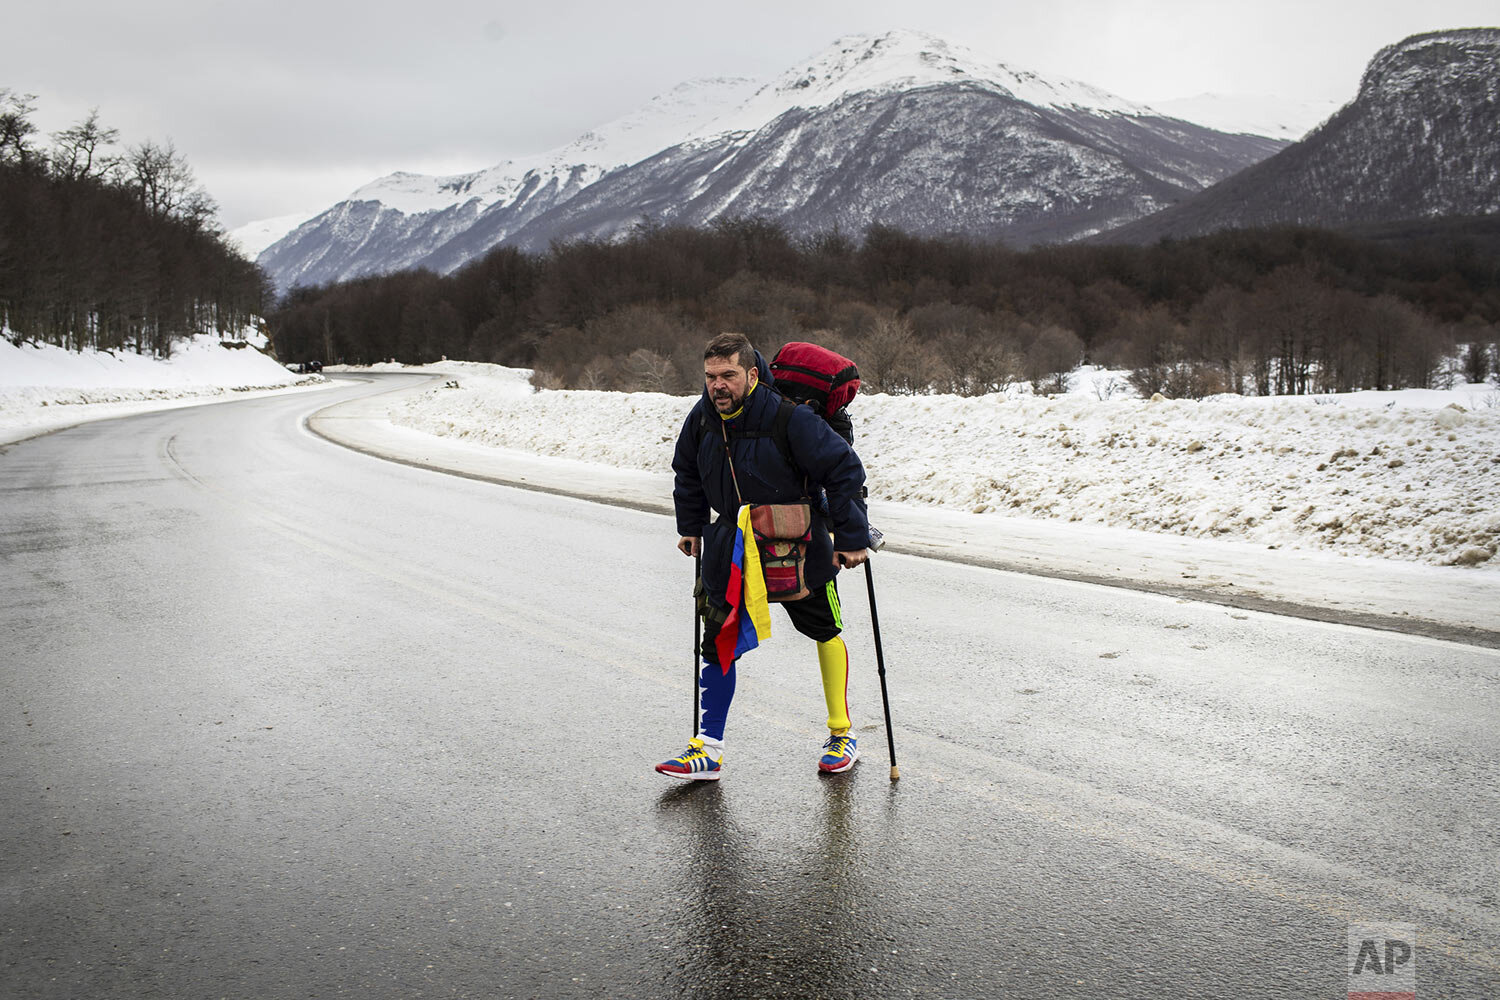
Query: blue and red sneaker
{"type": "Point", "coordinates": [701, 761]}
{"type": "Point", "coordinates": [839, 753]}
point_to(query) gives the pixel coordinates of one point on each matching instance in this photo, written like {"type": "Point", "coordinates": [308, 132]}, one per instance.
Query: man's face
{"type": "Point", "coordinates": [727, 383]}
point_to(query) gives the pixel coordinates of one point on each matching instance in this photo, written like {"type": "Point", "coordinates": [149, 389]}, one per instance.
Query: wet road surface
{"type": "Point", "coordinates": [282, 720]}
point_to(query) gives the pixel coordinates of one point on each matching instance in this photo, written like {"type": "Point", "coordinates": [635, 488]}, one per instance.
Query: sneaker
{"type": "Point", "coordinates": [699, 762]}
{"type": "Point", "coordinates": [839, 753]}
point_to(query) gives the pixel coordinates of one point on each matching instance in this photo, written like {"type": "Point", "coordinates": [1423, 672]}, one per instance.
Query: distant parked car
{"type": "Point", "coordinates": [308, 367]}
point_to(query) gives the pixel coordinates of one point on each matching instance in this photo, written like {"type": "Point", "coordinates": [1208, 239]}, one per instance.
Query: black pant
{"type": "Point", "coordinates": [816, 616]}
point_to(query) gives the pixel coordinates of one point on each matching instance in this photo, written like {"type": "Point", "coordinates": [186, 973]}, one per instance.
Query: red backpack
{"type": "Point", "coordinates": [809, 373]}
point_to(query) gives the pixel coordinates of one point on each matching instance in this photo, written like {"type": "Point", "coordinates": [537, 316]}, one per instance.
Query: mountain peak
{"type": "Point", "coordinates": [902, 61]}
{"type": "Point", "coordinates": [1435, 54]}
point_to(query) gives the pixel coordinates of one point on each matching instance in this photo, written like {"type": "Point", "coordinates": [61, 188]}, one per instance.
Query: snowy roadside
{"type": "Point", "coordinates": [615, 448]}
{"type": "Point", "coordinates": [1411, 475]}
{"type": "Point", "coordinates": [45, 388]}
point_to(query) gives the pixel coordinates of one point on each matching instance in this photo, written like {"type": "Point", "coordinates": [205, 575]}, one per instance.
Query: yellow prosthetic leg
{"type": "Point", "coordinates": [841, 751]}
{"type": "Point", "coordinates": [833, 663]}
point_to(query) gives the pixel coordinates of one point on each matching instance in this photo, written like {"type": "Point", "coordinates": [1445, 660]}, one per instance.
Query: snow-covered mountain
{"type": "Point", "coordinates": [1420, 140]}
{"type": "Point", "coordinates": [665, 120]}
{"type": "Point", "coordinates": [1250, 114]}
{"type": "Point", "coordinates": [900, 61]}
{"type": "Point", "coordinates": [398, 221]}
{"type": "Point", "coordinates": [903, 129]}
{"type": "Point", "coordinates": [253, 237]}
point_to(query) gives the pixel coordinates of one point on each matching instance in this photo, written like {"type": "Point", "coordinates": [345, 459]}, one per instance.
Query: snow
{"type": "Point", "coordinates": [1411, 475]}
{"type": "Point", "coordinates": [905, 60]}
{"type": "Point", "coordinates": [664, 121]}
{"type": "Point", "coordinates": [413, 194]}
{"type": "Point", "coordinates": [1250, 114]}
{"type": "Point", "coordinates": [253, 237]}
{"type": "Point", "coordinates": [44, 388]}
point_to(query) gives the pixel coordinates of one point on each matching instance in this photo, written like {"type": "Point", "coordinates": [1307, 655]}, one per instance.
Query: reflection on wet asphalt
{"type": "Point", "coordinates": [802, 919]}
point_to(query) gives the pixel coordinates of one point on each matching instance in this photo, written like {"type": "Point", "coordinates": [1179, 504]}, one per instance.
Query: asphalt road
{"type": "Point", "coordinates": [282, 720]}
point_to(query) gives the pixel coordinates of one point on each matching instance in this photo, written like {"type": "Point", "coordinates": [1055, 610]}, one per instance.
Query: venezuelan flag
{"type": "Point", "coordinates": [749, 618]}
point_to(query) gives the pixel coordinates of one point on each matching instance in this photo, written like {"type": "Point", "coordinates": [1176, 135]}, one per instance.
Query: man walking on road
{"type": "Point", "coordinates": [740, 445]}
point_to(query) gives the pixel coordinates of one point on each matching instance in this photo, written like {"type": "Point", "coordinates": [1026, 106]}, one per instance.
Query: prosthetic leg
{"type": "Point", "coordinates": [840, 752]}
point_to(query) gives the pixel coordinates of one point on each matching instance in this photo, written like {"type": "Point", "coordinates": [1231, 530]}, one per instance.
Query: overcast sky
{"type": "Point", "coordinates": [285, 107]}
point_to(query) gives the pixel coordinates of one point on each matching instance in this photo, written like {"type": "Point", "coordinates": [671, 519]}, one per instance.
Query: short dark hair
{"type": "Point", "coordinates": [731, 345]}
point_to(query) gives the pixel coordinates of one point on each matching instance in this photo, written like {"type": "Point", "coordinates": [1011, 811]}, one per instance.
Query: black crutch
{"type": "Point", "coordinates": [697, 635]}
{"type": "Point", "coordinates": [880, 666]}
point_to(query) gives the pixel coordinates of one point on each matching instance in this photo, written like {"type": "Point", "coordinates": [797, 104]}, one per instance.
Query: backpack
{"type": "Point", "coordinates": [807, 373]}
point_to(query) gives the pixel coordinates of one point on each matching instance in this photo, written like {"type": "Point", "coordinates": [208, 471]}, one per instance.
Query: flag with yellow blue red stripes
{"type": "Point", "coordinates": [749, 618]}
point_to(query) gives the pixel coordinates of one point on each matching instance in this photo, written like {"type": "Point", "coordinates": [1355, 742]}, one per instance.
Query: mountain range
{"type": "Point", "coordinates": [915, 132]}
{"type": "Point", "coordinates": [902, 128]}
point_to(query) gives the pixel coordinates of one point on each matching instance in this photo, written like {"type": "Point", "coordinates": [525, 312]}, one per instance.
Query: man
{"type": "Point", "coordinates": [728, 450]}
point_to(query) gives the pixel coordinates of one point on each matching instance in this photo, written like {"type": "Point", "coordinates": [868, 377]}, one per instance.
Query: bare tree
{"type": "Point", "coordinates": [1052, 353]}
{"type": "Point", "coordinates": [165, 184]}
{"type": "Point", "coordinates": [647, 371]}
{"type": "Point", "coordinates": [892, 360]}
{"type": "Point", "coordinates": [16, 129]}
{"type": "Point", "coordinates": [78, 155]}
{"type": "Point", "coordinates": [597, 374]}
{"type": "Point", "coordinates": [981, 362]}
{"type": "Point", "coordinates": [1219, 332]}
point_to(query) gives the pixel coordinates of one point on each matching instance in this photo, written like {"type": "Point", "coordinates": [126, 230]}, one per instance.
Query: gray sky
{"type": "Point", "coordinates": [285, 107]}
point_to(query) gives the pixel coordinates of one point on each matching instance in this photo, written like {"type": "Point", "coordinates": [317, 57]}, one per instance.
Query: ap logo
{"type": "Point", "coordinates": [1382, 962]}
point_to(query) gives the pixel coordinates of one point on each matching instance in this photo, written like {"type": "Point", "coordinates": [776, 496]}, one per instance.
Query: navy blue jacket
{"type": "Point", "coordinates": [703, 483]}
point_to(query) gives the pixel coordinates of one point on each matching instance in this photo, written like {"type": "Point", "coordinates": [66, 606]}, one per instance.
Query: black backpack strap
{"type": "Point", "coordinates": [781, 433]}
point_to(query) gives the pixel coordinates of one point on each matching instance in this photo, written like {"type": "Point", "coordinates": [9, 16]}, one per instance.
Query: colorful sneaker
{"type": "Point", "coordinates": [839, 753]}
{"type": "Point", "coordinates": [701, 761]}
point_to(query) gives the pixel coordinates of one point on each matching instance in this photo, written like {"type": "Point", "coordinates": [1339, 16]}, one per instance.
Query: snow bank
{"type": "Point", "coordinates": [203, 362]}
{"type": "Point", "coordinates": [43, 387]}
{"type": "Point", "coordinates": [1404, 483]}
{"type": "Point", "coordinates": [498, 407]}
{"type": "Point", "coordinates": [1412, 475]}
